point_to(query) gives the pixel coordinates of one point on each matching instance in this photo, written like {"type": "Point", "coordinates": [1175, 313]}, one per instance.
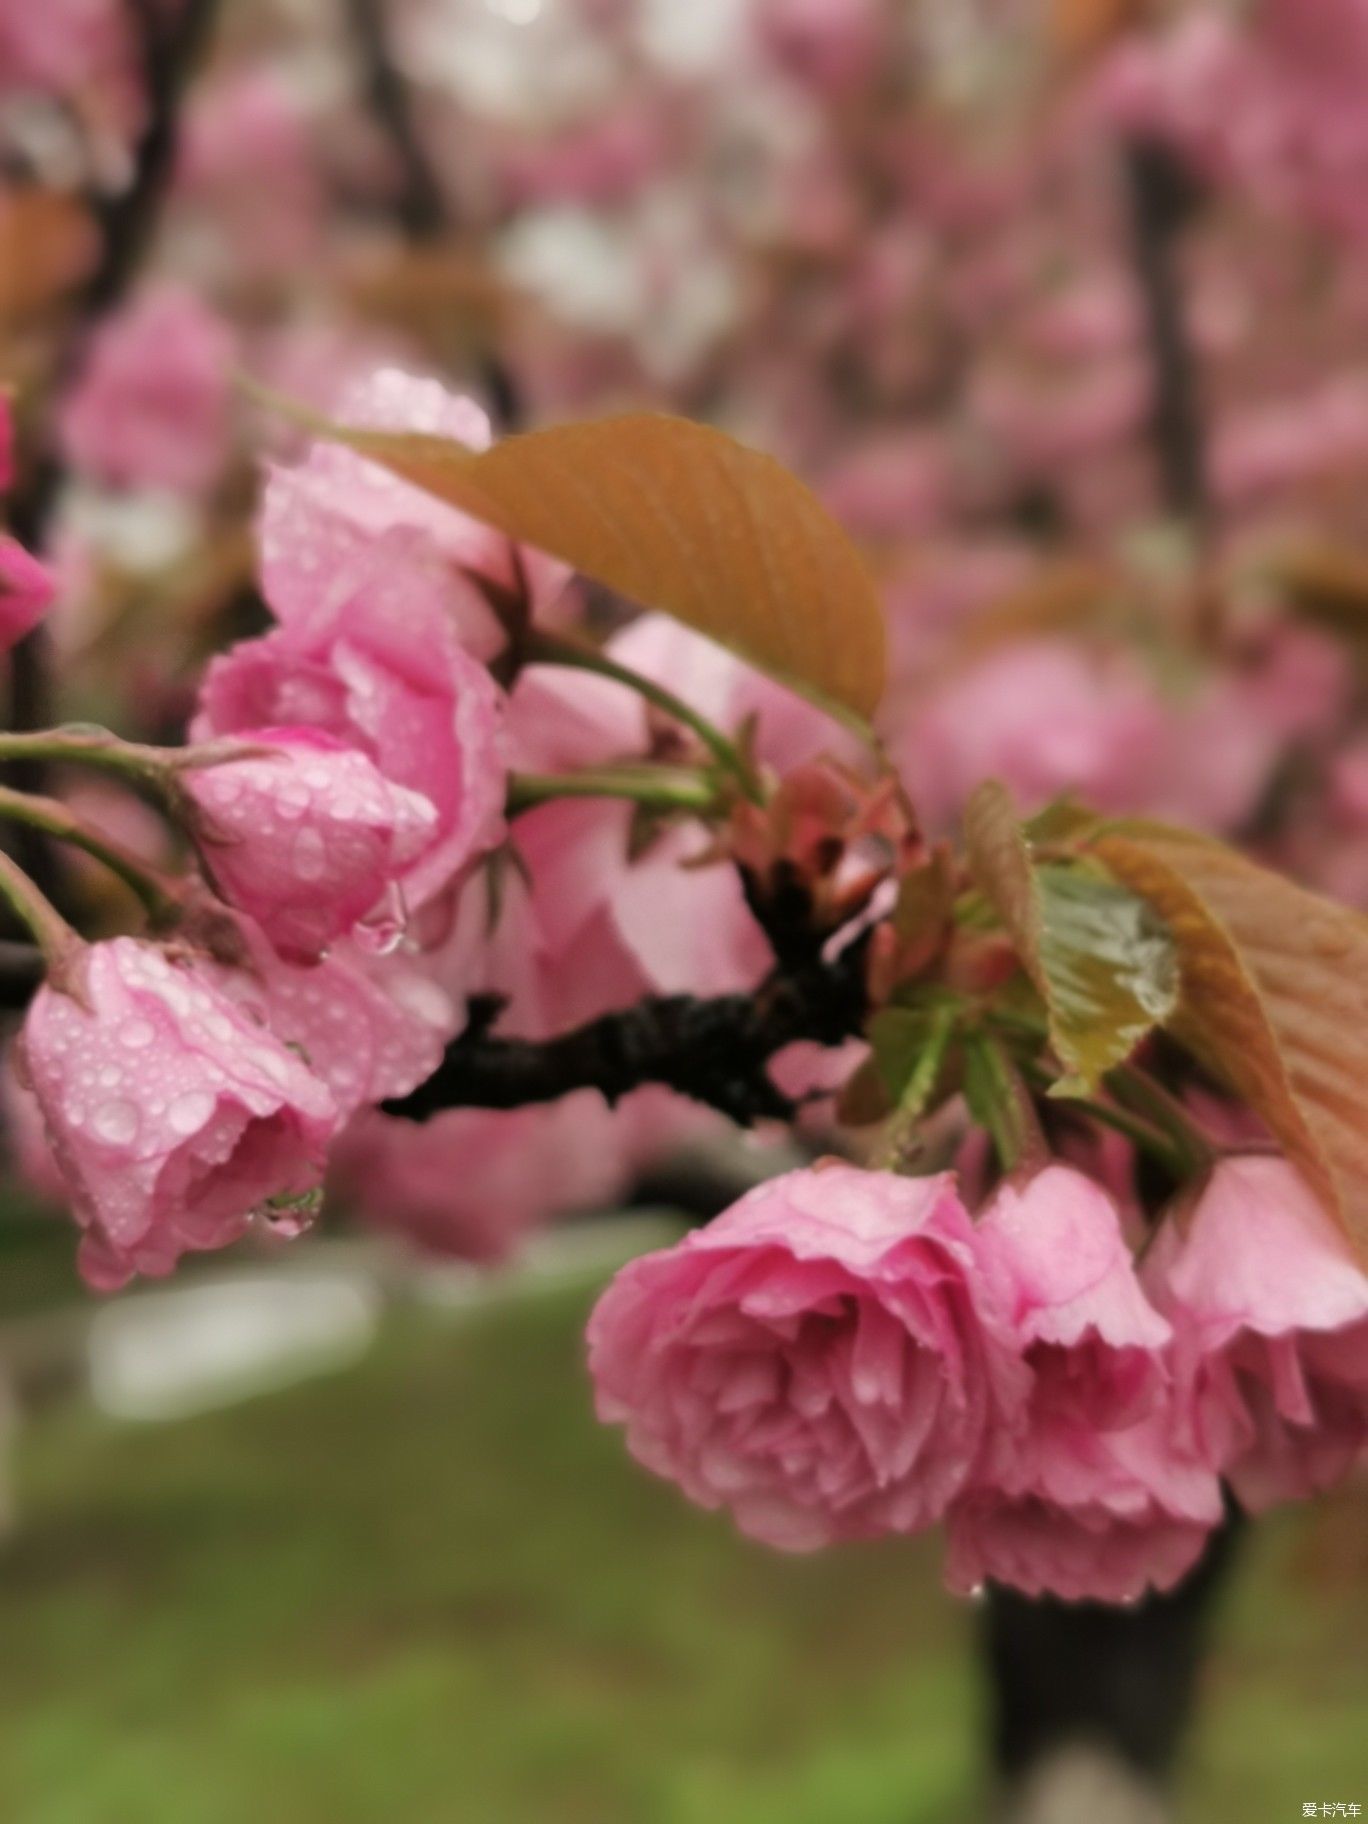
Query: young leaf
{"type": "Point", "coordinates": [1274, 998]}
{"type": "Point", "coordinates": [1101, 961]}
{"type": "Point", "coordinates": [999, 1102]}
{"type": "Point", "coordinates": [909, 1046]}
{"type": "Point", "coordinates": [677, 516]}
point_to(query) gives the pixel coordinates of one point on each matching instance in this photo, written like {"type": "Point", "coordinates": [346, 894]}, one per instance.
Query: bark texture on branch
{"type": "Point", "coordinates": [716, 1051]}
{"type": "Point", "coordinates": [1162, 198]}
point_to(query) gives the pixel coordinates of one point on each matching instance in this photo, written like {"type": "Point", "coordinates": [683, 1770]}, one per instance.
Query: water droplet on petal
{"type": "Point", "coordinates": [381, 931]}
{"type": "Point", "coordinates": [310, 855]}
{"type": "Point", "coordinates": [116, 1121]}
{"type": "Point", "coordinates": [188, 1113]}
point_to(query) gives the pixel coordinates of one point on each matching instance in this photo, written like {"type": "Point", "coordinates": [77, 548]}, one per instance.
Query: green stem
{"type": "Point", "coordinates": [55, 819]}
{"type": "Point", "coordinates": [998, 1100]}
{"type": "Point", "coordinates": [53, 935]}
{"type": "Point", "coordinates": [906, 1117]}
{"type": "Point", "coordinates": [1142, 1134]}
{"type": "Point", "coordinates": [79, 745]}
{"type": "Point", "coordinates": [554, 649]}
{"type": "Point", "coordinates": [1138, 1090]}
{"type": "Point", "coordinates": [663, 788]}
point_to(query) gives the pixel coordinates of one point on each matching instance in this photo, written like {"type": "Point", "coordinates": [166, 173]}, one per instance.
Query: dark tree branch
{"type": "Point", "coordinates": [170, 44]}
{"type": "Point", "coordinates": [1123, 1680]}
{"type": "Point", "coordinates": [421, 204]}
{"type": "Point", "coordinates": [715, 1051]}
{"type": "Point", "coordinates": [1162, 197]}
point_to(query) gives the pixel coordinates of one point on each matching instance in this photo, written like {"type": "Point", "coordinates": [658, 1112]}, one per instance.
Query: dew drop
{"type": "Point", "coordinates": [188, 1113]}
{"type": "Point", "coordinates": [310, 856]}
{"type": "Point", "coordinates": [381, 931]}
{"type": "Point", "coordinates": [116, 1121]}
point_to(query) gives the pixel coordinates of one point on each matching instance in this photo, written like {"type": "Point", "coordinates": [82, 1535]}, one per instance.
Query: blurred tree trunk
{"type": "Point", "coordinates": [1091, 1704]}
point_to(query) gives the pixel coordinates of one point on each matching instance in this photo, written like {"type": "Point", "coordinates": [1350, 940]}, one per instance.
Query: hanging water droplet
{"type": "Point", "coordinates": [381, 931]}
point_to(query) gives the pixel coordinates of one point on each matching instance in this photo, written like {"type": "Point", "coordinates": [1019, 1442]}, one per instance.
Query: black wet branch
{"type": "Point", "coordinates": [716, 1051]}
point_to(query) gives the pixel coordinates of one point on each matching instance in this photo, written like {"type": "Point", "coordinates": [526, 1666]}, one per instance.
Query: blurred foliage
{"type": "Point", "coordinates": [432, 1589]}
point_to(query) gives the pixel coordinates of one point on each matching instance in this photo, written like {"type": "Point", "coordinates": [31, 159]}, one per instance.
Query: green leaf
{"type": "Point", "coordinates": [998, 1100]}
{"type": "Point", "coordinates": [1274, 999]}
{"type": "Point", "coordinates": [909, 1046]}
{"type": "Point", "coordinates": [1101, 959]}
{"type": "Point", "coordinates": [1110, 970]}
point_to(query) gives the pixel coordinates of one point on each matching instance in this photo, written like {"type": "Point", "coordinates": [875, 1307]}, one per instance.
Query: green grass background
{"type": "Point", "coordinates": [432, 1589]}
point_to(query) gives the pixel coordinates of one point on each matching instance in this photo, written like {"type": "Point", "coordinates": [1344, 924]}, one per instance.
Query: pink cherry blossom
{"type": "Point", "coordinates": [173, 1117]}
{"type": "Point", "coordinates": [55, 47]}
{"type": "Point", "coordinates": [1140, 1523]}
{"type": "Point", "coordinates": [596, 895]}
{"type": "Point", "coordinates": [6, 444]}
{"type": "Point", "coordinates": [151, 406]}
{"type": "Point", "coordinates": [1270, 1310]}
{"type": "Point", "coordinates": [1272, 103]}
{"type": "Point", "coordinates": [833, 45]}
{"type": "Point", "coordinates": [248, 170]}
{"type": "Point", "coordinates": [1043, 716]}
{"type": "Point", "coordinates": [894, 484]}
{"type": "Point", "coordinates": [26, 591]}
{"type": "Point", "coordinates": [379, 665]}
{"type": "Point", "coordinates": [826, 1359]}
{"type": "Point", "coordinates": [28, 1151]}
{"type": "Point", "coordinates": [1092, 1498]}
{"type": "Point", "coordinates": [321, 515]}
{"type": "Point", "coordinates": [26, 586]}
{"type": "Point", "coordinates": [598, 891]}
{"type": "Point", "coordinates": [789, 729]}
{"type": "Point", "coordinates": [304, 834]}
{"type": "Point", "coordinates": [371, 1025]}
{"type": "Point", "coordinates": [471, 1183]}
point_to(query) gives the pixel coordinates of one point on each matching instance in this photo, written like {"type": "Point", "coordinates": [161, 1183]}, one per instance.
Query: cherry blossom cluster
{"type": "Point", "coordinates": [442, 793]}
{"type": "Point", "coordinates": [850, 1354]}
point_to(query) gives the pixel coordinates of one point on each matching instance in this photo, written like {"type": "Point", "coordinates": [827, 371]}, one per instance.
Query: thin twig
{"type": "Point", "coordinates": [170, 46]}
{"type": "Point", "coordinates": [169, 50]}
{"type": "Point", "coordinates": [420, 204]}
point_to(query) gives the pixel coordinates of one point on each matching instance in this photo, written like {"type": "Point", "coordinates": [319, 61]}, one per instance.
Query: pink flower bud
{"type": "Point", "coordinates": [305, 834]}
{"type": "Point", "coordinates": [827, 1359]}
{"type": "Point", "coordinates": [173, 1117]}
{"type": "Point", "coordinates": [378, 665]}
